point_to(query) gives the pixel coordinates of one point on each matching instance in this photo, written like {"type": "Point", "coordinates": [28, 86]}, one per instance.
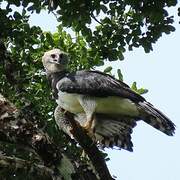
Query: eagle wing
{"type": "Point", "coordinates": [97, 84]}
{"type": "Point", "coordinates": [115, 131]}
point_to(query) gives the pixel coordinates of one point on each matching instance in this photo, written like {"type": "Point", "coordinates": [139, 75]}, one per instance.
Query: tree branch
{"type": "Point", "coordinates": [93, 16]}
{"type": "Point", "coordinates": [90, 148]}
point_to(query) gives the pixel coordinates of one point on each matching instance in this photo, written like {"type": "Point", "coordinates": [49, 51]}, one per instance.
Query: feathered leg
{"type": "Point", "coordinates": [89, 105]}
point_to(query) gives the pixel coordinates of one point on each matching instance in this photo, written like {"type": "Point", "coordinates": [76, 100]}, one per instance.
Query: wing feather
{"type": "Point", "coordinates": [113, 131]}
{"type": "Point", "coordinates": [156, 118]}
{"type": "Point", "coordinates": [95, 83]}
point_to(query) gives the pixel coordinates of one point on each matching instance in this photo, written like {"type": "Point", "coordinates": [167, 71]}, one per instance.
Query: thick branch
{"type": "Point", "coordinates": [90, 148]}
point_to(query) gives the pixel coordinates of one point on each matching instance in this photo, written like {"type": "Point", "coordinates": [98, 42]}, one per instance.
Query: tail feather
{"type": "Point", "coordinates": [156, 118]}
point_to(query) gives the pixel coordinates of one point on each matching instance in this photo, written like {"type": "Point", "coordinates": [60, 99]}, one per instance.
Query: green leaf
{"type": "Point", "coordinates": [139, 91]}
{"type": "Point", "coordinates": [120, 76]}
{"type": "Point", "coordinates": [108, 69]}
{"type": "Point", "coordinates": [142, 91]}
{"type": "Point", "coordinates": [120, 55]}
{"type": "Point", "coordinates": [17, 15]}
{"type": "Point", "coordinates": [49, 39]}
{"type": "Point", "coordinates": [171, 28]}
{"type": "Point", "coordinates": [103, 8]}
{"type": "Point", "coordinates": [134, 86]}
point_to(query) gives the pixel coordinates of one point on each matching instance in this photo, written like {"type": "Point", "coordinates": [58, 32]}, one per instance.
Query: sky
{"type": "Point", "coordinates": [156, 156]}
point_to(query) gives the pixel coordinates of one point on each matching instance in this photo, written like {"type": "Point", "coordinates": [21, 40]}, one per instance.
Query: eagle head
{"type": "Point", "coordinates": [55, 60]}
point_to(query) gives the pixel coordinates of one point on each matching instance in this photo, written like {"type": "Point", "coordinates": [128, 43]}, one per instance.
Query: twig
{"type": "Point", "coordinates": [92, 15]}
{"type": "Point", "coordinates": [55, 15]}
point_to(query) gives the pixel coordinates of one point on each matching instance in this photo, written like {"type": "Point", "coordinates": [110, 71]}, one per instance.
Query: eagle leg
{"type": "Point", "coordinates": [89, 127]}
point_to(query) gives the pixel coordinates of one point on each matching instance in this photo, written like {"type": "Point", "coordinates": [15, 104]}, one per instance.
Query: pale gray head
{"type": "Point", "coordinates": [55, 60]}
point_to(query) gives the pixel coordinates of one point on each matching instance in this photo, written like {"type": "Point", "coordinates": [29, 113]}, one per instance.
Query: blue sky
{"type": "Point", "coordinates": [156, 156]}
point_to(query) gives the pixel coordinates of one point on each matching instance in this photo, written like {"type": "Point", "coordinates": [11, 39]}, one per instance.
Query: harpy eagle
{"type": "Point", "coordinates": [106, 107]}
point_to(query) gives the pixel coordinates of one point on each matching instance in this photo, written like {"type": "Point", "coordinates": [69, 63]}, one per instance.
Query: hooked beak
{"type": "Point", "coordinates": [54, 62]}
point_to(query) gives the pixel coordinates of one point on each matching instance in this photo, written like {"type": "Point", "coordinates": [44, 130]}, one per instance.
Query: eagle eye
{"type": "Point", "coordinates": [53, 55]}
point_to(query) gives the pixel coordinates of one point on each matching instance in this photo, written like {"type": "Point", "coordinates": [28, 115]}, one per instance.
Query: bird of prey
{"type": "Point", "coordinates": [104, 106]}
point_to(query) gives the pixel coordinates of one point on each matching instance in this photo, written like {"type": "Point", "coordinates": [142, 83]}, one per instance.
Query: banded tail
{"type": "Point", "coordinates": [156, 118]}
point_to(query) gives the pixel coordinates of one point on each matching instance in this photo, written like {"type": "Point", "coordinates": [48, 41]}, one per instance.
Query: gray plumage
{"type": "Point", "coordinates": [103, 105]}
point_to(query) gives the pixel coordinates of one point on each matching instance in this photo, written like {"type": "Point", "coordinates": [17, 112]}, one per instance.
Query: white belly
{"type": "Point", "coordinates": [116, 105]}
{"type": "Point", "coordinates": [107, 105]}
{"type": "Point", "coordinates": [70, 102]}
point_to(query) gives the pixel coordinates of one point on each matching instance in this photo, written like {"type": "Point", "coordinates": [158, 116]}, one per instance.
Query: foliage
{"type": "Point", "coordinates": [119, 25]}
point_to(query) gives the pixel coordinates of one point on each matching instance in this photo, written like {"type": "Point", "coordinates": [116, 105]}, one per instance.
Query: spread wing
{"type": "Point", "coordinates": [95, 83]}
